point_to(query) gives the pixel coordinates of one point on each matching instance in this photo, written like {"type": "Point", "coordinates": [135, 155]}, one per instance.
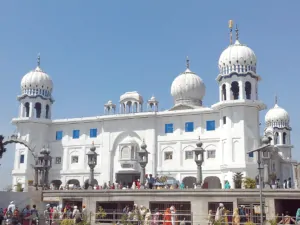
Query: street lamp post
{"type": "Point", "coordinates": [92, 162]}
{"type": "Point", "coordinates": [265, 144]}
{"type": "Point", "coordinates": [199, 159]}
{"type": "Point", "coordinates": [143, 161]}
{"type": "Point", "coordinates": [43, 163]}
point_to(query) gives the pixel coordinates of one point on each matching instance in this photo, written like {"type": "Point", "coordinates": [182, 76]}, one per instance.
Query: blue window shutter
{"type": "Point", "coordinates": [59, 135]}
{"type": "Point", "coordinates": [75, 134]}
{"type": "Point", "coordinates": [168, 128]}
{"type": "Point", "coordinates": [210, 125]}
{"type": "Point", "coordinates": [251, 155]}
{"type": "Point", "coordinates": [22, 158]}
{"type": "Point", "coordinates": [189, 127]}
{"type": "Point", "coordinates": [93, 132]}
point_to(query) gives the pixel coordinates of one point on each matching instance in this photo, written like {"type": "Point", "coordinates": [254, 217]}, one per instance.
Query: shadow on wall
{"type": "Point", "coordinates": [21, 199]}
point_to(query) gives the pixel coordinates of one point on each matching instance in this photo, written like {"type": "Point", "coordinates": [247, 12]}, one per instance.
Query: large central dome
{"type": "Point", "coordinates": [188, 89]}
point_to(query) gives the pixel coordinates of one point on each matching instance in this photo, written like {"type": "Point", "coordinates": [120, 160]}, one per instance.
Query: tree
{"type": "Point", "coordinates": [8, 188]}
{"type": "Point", "coordinates": [238, 180]}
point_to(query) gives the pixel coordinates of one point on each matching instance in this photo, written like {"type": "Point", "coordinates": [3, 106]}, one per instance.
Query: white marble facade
{"type": "Point", "coordinates": [228, 129]}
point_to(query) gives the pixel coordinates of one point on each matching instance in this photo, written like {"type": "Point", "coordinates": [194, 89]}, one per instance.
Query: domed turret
{"type": "Point", "coordinates": [188, 88]}
{"type": "Point", "coordinates": [36, 94]}
{"type": "Point", "coordinates": [277, 117]}
{"type": "Point", "coordinates": [237, 58]}
{"type": "Point", "coordinates": [37, 83]}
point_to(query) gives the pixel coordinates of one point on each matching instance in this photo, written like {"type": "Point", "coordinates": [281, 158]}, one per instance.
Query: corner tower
{"type": "Point", "coordinates": [278, 128]}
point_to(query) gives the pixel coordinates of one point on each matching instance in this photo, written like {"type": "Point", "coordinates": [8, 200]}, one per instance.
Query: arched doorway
{"type": "Point", "coordinates": [189, 182]}
{"type": "Point", "coordinates": [74, 182]}
{"type": "Point", "coordinates": [86, 183]}
{"type": "Point", "coordinates": [212, 182]}
{"type": "Point", "coordinates": [56, 184]}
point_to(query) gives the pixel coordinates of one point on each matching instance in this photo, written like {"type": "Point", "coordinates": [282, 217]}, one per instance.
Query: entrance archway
{"type": "Point", "coordinates": [14, 139]}
{"type": "Point", "coordinates": [189, 182]}
{"type": "Point", "coordinates": [86, 183]}
{"type": "Point", "coordinates": [56, 184]}
{"type": "Point", "coordinates": [74, 182]}
{"type": "Point", "coordinates": [212, 182]}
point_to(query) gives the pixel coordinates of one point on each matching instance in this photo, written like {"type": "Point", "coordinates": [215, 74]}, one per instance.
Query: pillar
{"type": "Point", "coordinates": [228, 91]}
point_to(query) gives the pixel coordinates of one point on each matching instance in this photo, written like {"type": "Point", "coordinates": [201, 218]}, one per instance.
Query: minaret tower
{"type": "Point", "coordinates": [36, 94]}
{"type": "Point", "coordinates": [33, 122]}
{"type": "Point", "coordinates": [278, 128]}
{"type": "Point", "coordinates": [238, 104]}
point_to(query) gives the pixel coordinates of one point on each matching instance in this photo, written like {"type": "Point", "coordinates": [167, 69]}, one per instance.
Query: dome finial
{"type": "Point", "coordinates": [230, 25]}
{"type": "Point", "coordinates": [276, 99]}
{"type": "Point", "coordinates": [187, 63]}
{"type": "Point", "coordinates": [39, 60]}
{"type": "Point", "coordinates": [236, 32]}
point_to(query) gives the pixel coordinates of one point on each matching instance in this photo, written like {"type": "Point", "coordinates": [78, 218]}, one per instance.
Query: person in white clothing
{"type": "Point", "coordinates": [11, 207]}
{"type": "Point", "coordinates": [173, 215]}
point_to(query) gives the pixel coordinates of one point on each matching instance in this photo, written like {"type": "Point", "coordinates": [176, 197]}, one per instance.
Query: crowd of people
{"type": "Point", "coordinates": [12, 215]}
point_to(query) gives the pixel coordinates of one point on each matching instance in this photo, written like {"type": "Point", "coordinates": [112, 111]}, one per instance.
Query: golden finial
{"type": "Point", "coordinates": [236, 32]}
{"type": "Point", "coordinates": [39, 60]}
{"type": "Point", "coordinates": [187, 62]}
{"type": "Point", "coordinates": [230, 25]}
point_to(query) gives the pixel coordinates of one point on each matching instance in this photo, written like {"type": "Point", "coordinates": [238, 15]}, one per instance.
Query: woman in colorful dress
{"type": "Point", "coordinates": [167, 217]}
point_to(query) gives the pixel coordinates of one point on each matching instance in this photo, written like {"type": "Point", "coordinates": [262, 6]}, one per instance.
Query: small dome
{"type": "Point", "coordinates": [37, 82]}
{"type": "Point", "coordinates": [131, 96]}
{"type": "Point", "coordinates": [277, 117]}
{"type": "Point", "coordinates": [237, 58]}
{"type": "Point", "coordinates": [188, 88]}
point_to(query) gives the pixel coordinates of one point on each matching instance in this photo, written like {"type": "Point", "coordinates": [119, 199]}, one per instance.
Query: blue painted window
{"type": "Point", "coordinates": [76, 134]}
{"type": "Point", "coordinates": [93, 132]}
{"type": "Point", "coordinates": [251, 155]}
{"type": "Point", "coordinates": [169, 128]}
{"type": "Point", "coordinates": [59, 135]}
{"type": "Point", "coordinates": [22, 158]}
{"type": "Point", "coordinates": [210, 125]}
{"type": "Point", "coordinates": [189, 127]}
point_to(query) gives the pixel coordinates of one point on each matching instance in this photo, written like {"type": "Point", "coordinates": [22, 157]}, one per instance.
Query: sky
{"type": "Point", "coordinates": [97, 50]}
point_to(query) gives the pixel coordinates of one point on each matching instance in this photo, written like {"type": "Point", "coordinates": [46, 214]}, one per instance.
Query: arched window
{"type": "Point", "coordinates": [248, 90]}
{"type": "Point", "coordinates": [284, 138]}
{"type": "Point", "coordinates": [38, 109]}
{"type": "Point", "coordinates": [47, 111]}
{"type": "Point", "coordinates": [276, 138]}
{"type": "Point", "coordinates": [224, 92]}
{"type": "Point", "coordinates": [125, 153]}
{"type": "Point", "coordinates": [27, 109]}
{"type": "Point", "coordinates": [235, 90]}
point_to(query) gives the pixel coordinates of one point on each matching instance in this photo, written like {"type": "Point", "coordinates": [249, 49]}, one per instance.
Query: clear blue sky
{"type": "Point", "coordinates": [97, 50]}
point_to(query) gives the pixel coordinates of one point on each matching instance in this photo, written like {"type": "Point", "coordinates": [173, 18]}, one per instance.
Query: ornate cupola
{"type": "Point", "coordinates": [152, 104]}
{"type": "Point", "coordinates": [36, 94]}
{"type": "Point", "coordinates": [238, 79]}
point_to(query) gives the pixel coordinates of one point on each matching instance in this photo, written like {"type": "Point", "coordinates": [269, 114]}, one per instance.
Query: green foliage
{"type": "Point", "coordinates": [273, 221]}
{"type": "Point", "coordinates": [19, 187]}
{"type": "Point", "coordinates": [162, 179]}
{"type": "Point", "coordinates": [67, 222]}
{"type": "Point", "coordinates": [272, 178]}
{"type": "Point", "coordinates": [101, 214]}
{"type": "Point", "coordinates": [249, 223]}
{"type": "Point", "coordinates": [238, 180]}
{"type": "Point", "coordinates": [249, 183]}
{"type": "Point", "coordinates": [125, 220]}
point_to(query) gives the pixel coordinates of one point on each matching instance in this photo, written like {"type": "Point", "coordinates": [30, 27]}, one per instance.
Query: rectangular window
{"type": "Point", "coordinates": [169, 128]}
{"type": "Point", "coordinates": [59, 135]}
{"type": "Point", "coordinates": [224, 119]}
{"type": "Point", "coordinates": [93, 133]}
{"type": "Point", "coordinates": [76, 134]}
{"type": "Point", "coordinates": [189, 155]}
{"type": "Point", "coordinates": [189, 127]}
{"type": "Point", "coordinates": [251, 154]}
{"type": "Point", "coordinates": [22, 158]}
{"type": "Point", "coordinates": [57, 160]}
{"type": "Point", "coordinates": [74, 159]}
{"type": "Point", "coordinates": [168, 155]}
{"type": "Point", "coordinates": [210, 125]}
{"type": "Point", "coordinates": [211, 154]}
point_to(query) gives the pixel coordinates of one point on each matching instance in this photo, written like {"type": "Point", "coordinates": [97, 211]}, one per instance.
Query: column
{"type": "Point", "coordinates": [31, 110]}
{"type": "Point", "coordinates": [142, 177]}
{"type": "Point", "coordinates": [242, 89]}
{"type": "Point", "coordinates": [228, 91]}
{"type": "Point", "coordinates": [266, 173]}
{"type": "Point", "coordinates": [65, 160]}
{"type": "Point", "coordinates": [21, 110]}
{"type": "Point", "coordinates": [220, 93]}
